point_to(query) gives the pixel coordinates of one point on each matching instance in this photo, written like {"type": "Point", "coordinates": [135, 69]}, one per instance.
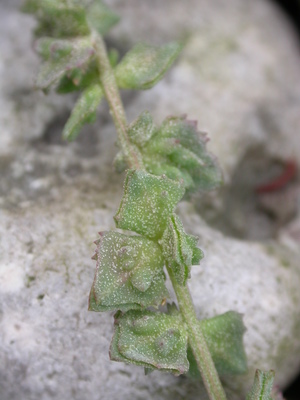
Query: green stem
{"type": "Point", "coordinates": [196, 338]}
{"type": "Point", "coordinates": [111, 91]}
{"type": "Point", "coordinates": [197, 341]}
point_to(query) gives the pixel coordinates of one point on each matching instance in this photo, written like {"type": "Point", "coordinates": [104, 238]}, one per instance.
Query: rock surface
{"type": "Point", "coordinates": [55, 197]}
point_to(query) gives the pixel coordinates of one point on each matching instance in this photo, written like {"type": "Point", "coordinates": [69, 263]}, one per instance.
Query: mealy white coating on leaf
{"type": "Point", "coordinates": [61, 222]}
{"type": "Point", "coordinates": [144, 65]}
{"type": "Point", "coordinates": [262, 386]}
{"type": "Point", "coordinates": [177, 150]}
{"type": "Point", "coordinates": [179, 249]}
{"type": "Point", "coordinates": [147, 203]}
{"type": "Point", "coordinates": [129, 273]}
{"type": "Point", "coordinates": [149, 339]}
{"type": "Point", "coordinates": [84, 111]}
{"type": "Point", "coordinates": [52, 70]}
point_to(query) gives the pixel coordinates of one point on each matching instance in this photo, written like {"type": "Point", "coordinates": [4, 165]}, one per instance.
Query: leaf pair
{"type": "Point", "coordinates": [160, 341]}
{"type": "Point", "coordinates": [147, 207]}
{"type": "Point", "coordinates": [64, 31]}
{"type": "Point", "coordinates": [64, 43]}
{"type": "Point", "coordinates": [70, 18]}
{"type": "Point", "coordinates": [176, 149]}
{"type": "Point", "coordinates": [72, 64]}
{"type": "Point", "coordinates": [130, 278]}
{"type": "Point", "coordinates": [152, 340]}
{"type": "Point", "coordinates": [129, 271]}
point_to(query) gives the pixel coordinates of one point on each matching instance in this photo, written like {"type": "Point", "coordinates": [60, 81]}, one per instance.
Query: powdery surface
{"type": "Point", "coordinates": [231, 76]}
{"type": "Point", "coordinates": [259, 281]}
{"type": "Point", "coordinates": [54, 198]}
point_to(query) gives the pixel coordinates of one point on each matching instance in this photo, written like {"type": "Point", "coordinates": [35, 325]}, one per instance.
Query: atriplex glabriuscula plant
{"type": "Point", "coordinates": [164, 163]}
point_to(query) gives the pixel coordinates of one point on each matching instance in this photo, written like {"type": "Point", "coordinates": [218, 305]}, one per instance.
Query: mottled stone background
{"type": "Point", "coordinates": [239, 76]}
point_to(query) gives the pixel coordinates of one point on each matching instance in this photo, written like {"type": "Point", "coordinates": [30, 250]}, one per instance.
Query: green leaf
{"type": "Point", "coordinates": [61, 22]}
{"type": "Point", "coordinates": [78, 78]}
{"type": "Point", "coordinates": [142, 129]}
{"type": "Point", "coordinates": [100, 17]}
{"type": "Point", "coordinates": [177, 150]}
{"type": "Point", "coordinates": [180, 150]}
{"type": "Point", "coordinates": [58, 19]}
{"type": "Point", "coordinates": [147, 203]}
{"type": "Point", "coordinates": [53, 49]}
{"type": "Point", "coordinates": [30, 6]}
{"type": "Point", "coordinates": [35, 6]}
{"type": "Point", "coordinates": [144, 65]}
{"type": "Point", "coordinates": [152, 340]}
{"type": "Point", "coordinates": [129, 273]}
{"type": "Point", "coordinates": [83, 112]}
{"type": "Point", "coordinates": [179, 249]}
{"type": "Point", "coordinates": [139, 132]}
{"type": "Point", "coordinates": [262, 386]}
{"type": "Point", "coordinates": [78, 58]}
{"type": "Point", "coordinates": [120, 163]}
{"type": "Point", "coordinates": [113, 56]}
{"type": "Point", "coordinates": [224, 337]}
{"type": "Point", "coordinates": [70, 18]}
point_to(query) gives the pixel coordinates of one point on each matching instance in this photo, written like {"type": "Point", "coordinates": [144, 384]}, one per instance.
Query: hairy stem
{"type": "Point", "coordinates": [111, 91]}
{"type": "Point", "coordinates": [196, 338]}
{"type": "Point", "coordinates": [197, 342]}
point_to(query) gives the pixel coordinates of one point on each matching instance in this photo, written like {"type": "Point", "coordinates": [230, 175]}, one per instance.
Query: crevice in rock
{"type": "Point", "coordinates": [52, 134]}
{"type": "Point", "coordinates": [246, 208]}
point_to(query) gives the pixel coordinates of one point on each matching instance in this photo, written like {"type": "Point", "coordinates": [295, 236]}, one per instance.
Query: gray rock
{"type": "Point", "coordinates": [55, 197]}
{"type": "Point", "coordinates": [24, 111]}
{"type": "Point", "coordinates": [261, 282]}
{"type": "Point", "coordinates": [237, 76]}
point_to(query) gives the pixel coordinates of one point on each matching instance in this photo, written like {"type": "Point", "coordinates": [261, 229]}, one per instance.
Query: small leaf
{"type": "Point", "coordinates": [70, 18]}
{"type": "Point", "coordinates": [156, 166]}
{"type": "Point", "coordinates": [144, 65]}
{"type": "Point", "coordinates": [113, 56]}
{"type": "Point", "coordinates": [142, 129]}
{"type": "Point", "coordinates": [147, 203]}
{"type": "Point", "coordinates": [180, 150]}
{"type": "Point", "coordinates": [139, 132]}
{"type": "Point", "coordinates": [262, 386]}
{"type": "Point", "coordinates": [78, 78]}
{"type": "Point", "coordinates": [54, 49]}
{"type": "Point", "coordinates": [30, 6]}
{"type": "Point", "coordinates": [179, 249]}
{"type": "Point", "coordinates": [100, 17]}
{"type": "Point", "coordinates": [57, 19]}
{"type": "Point", "coordinates": [152, 340]}
{"type": "Point", "coordinates": [65, 23]}
{"type": "Point", "coordinates": [120, 162]}
{"type": "Point", "coordinates": [177, 150]}
{"type": "Point", "coordinates": [129, 273]}
{"type": "Point", "coordinates": [53, 69]}
{"type": "Point", "coordinates": [224, 337]}
{"type": "Point", "coordinates": [34, 6]}
{"type": "Point", "coordinates": [83, 112]}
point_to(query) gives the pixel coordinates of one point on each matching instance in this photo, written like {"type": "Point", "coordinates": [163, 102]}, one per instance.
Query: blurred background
{"type": "Point", "coordinates": [292, 10]}
{"type": "Point", "coordinates": [69, 173]}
